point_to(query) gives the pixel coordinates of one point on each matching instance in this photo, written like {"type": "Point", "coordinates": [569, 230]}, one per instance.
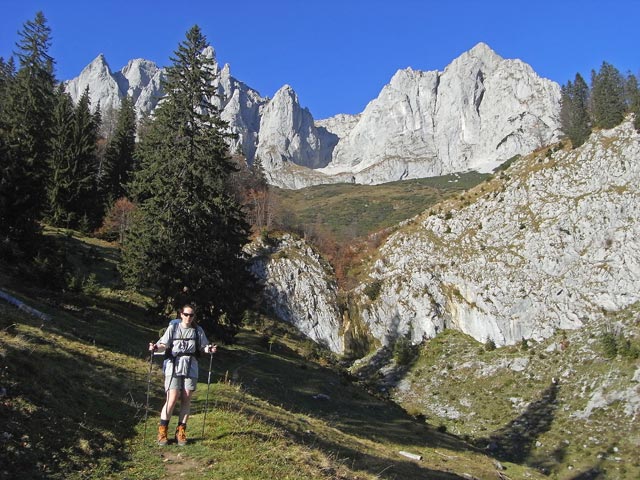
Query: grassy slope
{"type": "Point", "coordinates": [349, 210]}
{"type": "Point", "coordinates": [73, 403]}
{"type": "Point", "coordinates": [507, 400]}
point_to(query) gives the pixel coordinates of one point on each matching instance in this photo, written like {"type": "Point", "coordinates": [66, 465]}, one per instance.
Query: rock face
{"type": "Point", "coordinates": [287, 131]}
{"type": "Point", "coordinates": [549, 244]}
{"type": "Point", "coordinates": [300, 288]}
{"type": "Point", "coordinates": [553, 244]}
{"type": "Point", "coordinates": [479, 112]}
{"type": "Point", "coordinates": [140, 80]}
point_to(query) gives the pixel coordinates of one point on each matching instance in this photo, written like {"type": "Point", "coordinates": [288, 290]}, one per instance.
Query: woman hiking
{"type": "Point", "coordinates": [182, 342]}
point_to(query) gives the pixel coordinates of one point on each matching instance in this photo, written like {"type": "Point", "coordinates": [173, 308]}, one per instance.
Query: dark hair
{"type": "Point", "coordinates": [194, 322]}
{"type": "Point", "coordinates": [188, 305]}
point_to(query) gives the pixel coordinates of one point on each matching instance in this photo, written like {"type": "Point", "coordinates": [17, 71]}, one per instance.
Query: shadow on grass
{"type": "Point", "coordinates": [380, 466]}
{"type": "Point", "coordinates": [64, 410]}
{"type": "Point", "coordinates": [320, 392]}
{"type": "Point", "coordinates": [593, 473]}
{"type": "Point", "coordinates": [515, 441]}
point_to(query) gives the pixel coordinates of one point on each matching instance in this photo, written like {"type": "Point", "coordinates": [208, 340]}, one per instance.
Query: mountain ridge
{"type": "Point", "coordinates": [477, 113]}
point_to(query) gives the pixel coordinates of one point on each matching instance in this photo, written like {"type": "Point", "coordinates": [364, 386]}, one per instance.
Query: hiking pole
{"type": "Point", "coordinates": [146, 410]}
{"type": "Point", "coordinates": [206, 403]}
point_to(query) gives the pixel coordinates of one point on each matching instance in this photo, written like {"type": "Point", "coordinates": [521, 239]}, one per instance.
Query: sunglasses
{"type": "Point", "coordinates": [188, 314]}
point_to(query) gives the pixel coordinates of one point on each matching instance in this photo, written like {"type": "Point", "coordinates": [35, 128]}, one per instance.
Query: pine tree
{"type": "Point", "coordinates": [574, 111]}
{"type": "Point", "coordinates": [72, 187]}
{"type": "Point", "coordinates": [119, 156]}
{"type": "Point", "coordinates": [25, 123]}
{"type": "Point", "coordinates": [188, 232]}
{"type": "Point", "coordinates": [85, 206]}
{"type": "Point", "coordinates": [632, 93]}
{"type": "Point", "coordinates": [607, 97]}
{"type": "Point", "coordinates": [60, 160]}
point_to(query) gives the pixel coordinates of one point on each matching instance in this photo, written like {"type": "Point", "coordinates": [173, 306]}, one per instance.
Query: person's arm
{"type": "Point", "coordinates": [157, 347]}
{"type": "Point", "coordinates": [161, 345]}
{"type": "Point", "coordinates": [206, 347]}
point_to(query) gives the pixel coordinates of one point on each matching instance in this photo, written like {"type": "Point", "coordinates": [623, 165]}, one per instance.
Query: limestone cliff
{"type": "Point", "coordinates": [553, 243]}
{"type": "Point", "coordinates": [299, 288]}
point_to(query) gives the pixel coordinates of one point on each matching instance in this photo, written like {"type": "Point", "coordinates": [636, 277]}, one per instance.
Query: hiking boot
{"type": "Point", "coordinates": [181, 435]}
{"type": "Point", "coordinates": [162, 435]}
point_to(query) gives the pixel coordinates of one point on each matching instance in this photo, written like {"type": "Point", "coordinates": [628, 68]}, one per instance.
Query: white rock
{"type": "Point", "coordinates": [479, 112]}
{"type": "Point", "coordinates": [555, 247]}
{"type": "Point", "coordinates": [300, 289]}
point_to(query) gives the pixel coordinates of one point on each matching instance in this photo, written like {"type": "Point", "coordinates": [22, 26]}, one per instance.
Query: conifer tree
{"type": "Point", "coordinates": [257, 174]}
{"type": "Point", "coordinates": [119, 156]}
{"type": "Point", "coordinates": [574, 111]}
{"type": "Point", "coordinates": [72, 187]}
{"type": "Point", "coordinates": [188, 233]}
{"type": "Point", "coordinates": [633, 99]}
{"type": "Point", "coordinates": [86, 207]}
{"type": "Point", "coordinates": [7, 76]}
{"type": "Point", "coordinates": [607, 97]}
{"type": "Point", "coordinates": [25, 122]}
{"type": "Point", "coordinates": [60, 159]}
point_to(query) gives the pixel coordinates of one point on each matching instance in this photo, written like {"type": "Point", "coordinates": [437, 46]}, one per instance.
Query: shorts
{"type": "Point", "coordinates": [173, 382]}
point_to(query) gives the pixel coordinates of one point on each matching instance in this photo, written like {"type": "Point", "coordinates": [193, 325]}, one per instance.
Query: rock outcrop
{"type": "Point", "coordinates": [553, 244]}
{"type": "Point", "coordinates": [300, 288]}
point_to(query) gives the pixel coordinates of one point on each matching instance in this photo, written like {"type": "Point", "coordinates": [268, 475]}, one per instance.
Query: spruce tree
{"type": "Point", "coordinates": [574, 111]}
{"type": "Point", "coordinates": [7, 76]}
{"type": "Point", "coordinates": [188, 233]}
{"type": "Point", "coordinates": [61, 160]}
{"type": "Point", "coordinates": [72, 187]}
{"type": "Point", "coordinates": [607, 97]}
{"type": "Point", "coordinates": [119, 156]}
{"type": "Point", "coordinates": [26, 118]}
{"type": "Point", "coordinates": [85, 206]}
{"type": "Point", "coordinates": [632, 93]}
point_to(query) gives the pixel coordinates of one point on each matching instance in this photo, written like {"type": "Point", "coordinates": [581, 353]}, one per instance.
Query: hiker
{"type": "Point", "coordinates": [182, 342]}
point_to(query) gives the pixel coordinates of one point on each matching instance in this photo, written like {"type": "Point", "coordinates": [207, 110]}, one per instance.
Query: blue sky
{"type": "Point", "coordinates": [336, 54]}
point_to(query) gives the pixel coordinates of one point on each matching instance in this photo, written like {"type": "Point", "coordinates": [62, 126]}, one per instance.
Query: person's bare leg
{"type": "Point", "coordinates": [167, 409]}
{"type": "Point", "coordinates": [185, 406]}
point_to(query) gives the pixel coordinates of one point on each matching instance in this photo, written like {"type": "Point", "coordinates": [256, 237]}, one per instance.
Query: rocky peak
{"type": "Point", "coordinates": [480, 57]}
{"type": "Point", "coordinates": [103, 87]}
{"type": "Point", "coordinates": [477, 113]}
{"type": "Point", "coordinates": [139, 72]}
{"type": "Point", "coordinates": [288, 133]}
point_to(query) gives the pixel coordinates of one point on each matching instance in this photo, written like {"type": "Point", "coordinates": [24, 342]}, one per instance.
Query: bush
{"type": "Point", "coordinates": [403, 351]}
{"type": "Point", "coordinates": [617, 344]}
{"type": "Point", "coordinates": [627, 349]}
{"type": "Point", "coordinates": [373, 289]}
{"type": "Point", "coordinates": [609, 344]}
{"type": "Point", "coordinates": [489, 345]}
{"type": "Point", "coordinates": [90, 285]}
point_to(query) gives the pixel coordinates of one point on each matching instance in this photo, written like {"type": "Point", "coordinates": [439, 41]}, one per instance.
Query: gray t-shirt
{"type": "Point", "coordinates": [182, 340]}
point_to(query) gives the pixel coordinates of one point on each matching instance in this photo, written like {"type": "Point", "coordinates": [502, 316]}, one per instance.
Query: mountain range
{"type": "Point", "coordinates": [479, 112]}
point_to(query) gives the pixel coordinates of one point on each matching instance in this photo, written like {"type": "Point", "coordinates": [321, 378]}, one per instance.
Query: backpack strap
{"type": "Point", "coordinates": [167, 353]}
{"type": "Point", "coordinates": [167, 350]}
